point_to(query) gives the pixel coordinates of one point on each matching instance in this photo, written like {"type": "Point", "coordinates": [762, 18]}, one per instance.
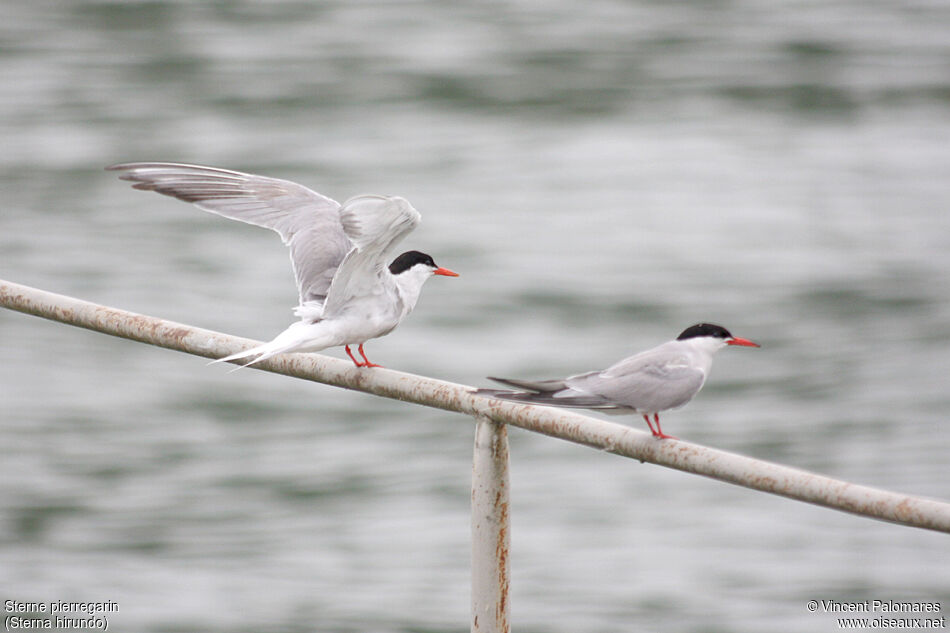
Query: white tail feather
{"type": "Point", "coordinates": [299, 337]}
{"type": "Point", "coordinates": [309, 310]}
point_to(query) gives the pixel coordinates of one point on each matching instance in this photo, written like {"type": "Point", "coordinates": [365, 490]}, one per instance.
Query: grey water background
{"type": "Point", "coordinates": [602, 174]}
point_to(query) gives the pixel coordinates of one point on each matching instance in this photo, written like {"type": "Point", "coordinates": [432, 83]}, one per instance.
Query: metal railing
{"type": "Point", "coordinates": [490, 490]}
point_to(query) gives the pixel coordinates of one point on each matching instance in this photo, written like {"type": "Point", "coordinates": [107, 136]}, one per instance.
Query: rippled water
{"type": "Point", "coordinates": [602, 174]}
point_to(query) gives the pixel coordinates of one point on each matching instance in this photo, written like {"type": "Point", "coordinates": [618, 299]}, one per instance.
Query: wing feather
{"type": "Point", "coordinates": [531, 385]}
{"type": "Point", "coordinates": [648, 382]}
{"type": "Point", "coordinates": [375, 224]}
{"type": "Point", "coordinates": [307, 222]}
{"type": "Point", "coordinates": [548, 398]}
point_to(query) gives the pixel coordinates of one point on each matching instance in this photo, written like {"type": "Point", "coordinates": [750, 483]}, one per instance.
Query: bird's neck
{"type": "Point", "coordinates": [409, 286]}
{"type": "Point", "coordinates": [703, 351]}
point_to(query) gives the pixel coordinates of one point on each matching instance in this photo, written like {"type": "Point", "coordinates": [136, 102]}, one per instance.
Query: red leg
{"type": "Point", "coordinates": [363, 354]}
{"type": "Point", "coordinates": [661, 434]}
{"type": "Point", "coordinates": [649, 424]}
{"type": "Point", "coordinates": [353, 358]}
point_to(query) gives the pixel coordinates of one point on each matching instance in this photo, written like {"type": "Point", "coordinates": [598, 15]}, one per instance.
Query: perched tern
{"type": "Point", "coordinates": [348, 293]}
{"type": "Point", "coordinates": [661, 379]}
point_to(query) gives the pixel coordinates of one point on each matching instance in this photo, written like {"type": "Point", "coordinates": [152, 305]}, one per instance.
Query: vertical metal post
{"type": "Point", "coordinates": [490, 528]}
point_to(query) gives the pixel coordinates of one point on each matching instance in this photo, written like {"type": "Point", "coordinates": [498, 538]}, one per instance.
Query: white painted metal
{"type": "Point", "coordinates": [491, 534]}
{"type": "Point", "coordinates": [567, 425]}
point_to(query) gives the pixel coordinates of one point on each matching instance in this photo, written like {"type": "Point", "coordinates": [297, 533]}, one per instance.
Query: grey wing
{"type": "Point", "coordinates": [554, 393]}
{"type": "Point", "coordinates": [531, 385]}
{"type": "Point", "coordinates": [307, 222]}
{"type": "Point", "coordinates": [547, 399]}
{"type": "Point", "coordinates": [375, 225]}
{"type": "Point", "coordinates": [647, 383]}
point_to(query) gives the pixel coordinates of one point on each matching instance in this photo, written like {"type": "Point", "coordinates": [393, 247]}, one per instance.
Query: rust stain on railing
{"type": "Point", "coordinates": [490, 528]}
{"type": "Point", "coordinates": [566, 425]}
{"type": "Point", "coordinates": [490, 485]}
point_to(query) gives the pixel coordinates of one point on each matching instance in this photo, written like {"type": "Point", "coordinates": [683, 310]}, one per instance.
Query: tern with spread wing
{"type": "Point", "coordinates": [348, 293]}
{"type": "Point", "coordinates": [661, 379]}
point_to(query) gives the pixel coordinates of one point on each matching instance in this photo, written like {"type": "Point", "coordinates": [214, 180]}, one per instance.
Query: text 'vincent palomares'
{"type": "Point", "coordinates": [878, 606]}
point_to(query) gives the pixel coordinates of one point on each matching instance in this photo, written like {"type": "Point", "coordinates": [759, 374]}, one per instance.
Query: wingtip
{"type": "Point", "coordinates": [492, 393]}
{"type": "Point", "coordinates": [129, 165]}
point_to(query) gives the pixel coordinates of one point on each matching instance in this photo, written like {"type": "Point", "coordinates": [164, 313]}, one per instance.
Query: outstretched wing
{"type": "Point", "coordinates": [375, 225]}
{"type": "Point", "coordinates": [307, 222]}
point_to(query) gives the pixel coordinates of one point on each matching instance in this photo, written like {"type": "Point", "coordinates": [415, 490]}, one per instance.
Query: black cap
{"type": "Point", "coordinates": [704, 329]}
{"type": "Point", "coordinates": [409, 259]}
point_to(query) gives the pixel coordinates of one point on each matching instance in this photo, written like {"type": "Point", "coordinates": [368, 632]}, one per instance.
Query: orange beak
{"type": "Point", "coordinates": [744, 342]}
{"type": "Point", "coordinates": [445, 272]}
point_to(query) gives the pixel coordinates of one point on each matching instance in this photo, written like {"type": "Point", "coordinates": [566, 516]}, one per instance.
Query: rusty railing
{"type": "Point", "coordinates": [490, 521]}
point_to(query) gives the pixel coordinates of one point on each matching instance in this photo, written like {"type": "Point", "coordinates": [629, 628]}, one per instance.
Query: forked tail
{"type": "Point", "coordinates": [298, 337]}
{"type": "Point", "coordinates": [554, 393]}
